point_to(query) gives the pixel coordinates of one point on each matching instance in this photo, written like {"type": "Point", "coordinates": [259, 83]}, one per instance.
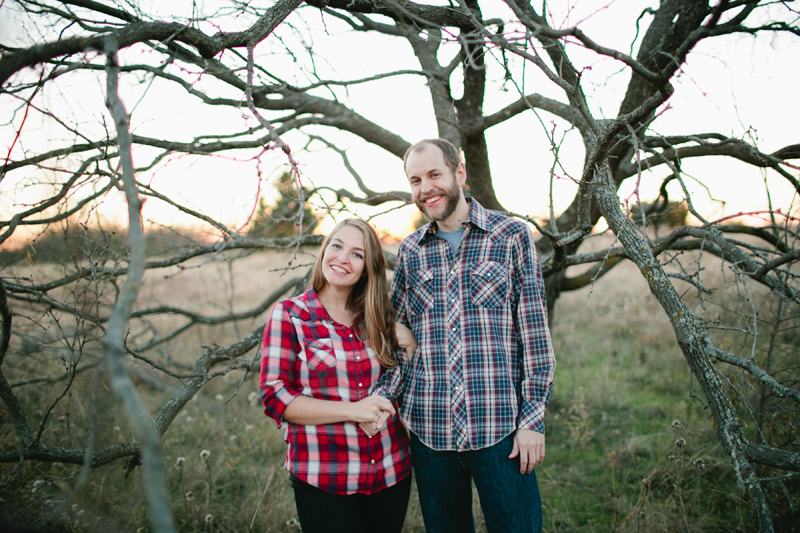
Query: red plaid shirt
{"type": "Point", "coordinates": [304, 351]}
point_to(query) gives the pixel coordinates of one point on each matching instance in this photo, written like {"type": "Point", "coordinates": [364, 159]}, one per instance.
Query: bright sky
{"type": "Point", "coordinates": [737, 87]}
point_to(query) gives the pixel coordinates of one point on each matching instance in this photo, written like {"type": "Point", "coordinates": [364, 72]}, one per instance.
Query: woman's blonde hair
{"type": "Point", "coordinates": [369, 299]}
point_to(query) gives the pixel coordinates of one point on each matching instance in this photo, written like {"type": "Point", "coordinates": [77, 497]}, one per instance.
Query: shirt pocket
{"type": "Point", "coordinates": [420, 291]}
{"type": "Point", "coordinates": [489, 282]}
{"type": "Point", "coordinates": [320, 354]}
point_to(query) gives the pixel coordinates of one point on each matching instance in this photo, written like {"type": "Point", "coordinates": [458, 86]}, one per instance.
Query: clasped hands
{"type": "Point", "coordinates": [371, 413]}
{"type": "Point", "coordinates": [372, 425]}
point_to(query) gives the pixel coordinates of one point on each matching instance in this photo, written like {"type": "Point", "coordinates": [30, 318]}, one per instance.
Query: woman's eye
{"type": "Point", "coordinates": [334, 245]}
{"type": "Point", "coordinates": [358, 256]}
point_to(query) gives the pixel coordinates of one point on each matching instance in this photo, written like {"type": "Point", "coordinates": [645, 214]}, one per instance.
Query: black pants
{"type": "Point", "coordinates": [325, 512]}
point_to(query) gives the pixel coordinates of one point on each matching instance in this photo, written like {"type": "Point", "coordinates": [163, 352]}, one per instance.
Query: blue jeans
{"type": "Point", "coordinates": [325, 512]}
{"type": "Point", "coordinates": [510, 501]}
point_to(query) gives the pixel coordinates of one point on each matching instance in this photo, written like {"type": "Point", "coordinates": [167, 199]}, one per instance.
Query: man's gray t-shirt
{"type": "Point", "coordinates": [453, 237]}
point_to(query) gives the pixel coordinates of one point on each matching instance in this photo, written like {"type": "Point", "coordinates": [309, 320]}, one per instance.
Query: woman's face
{"type": "Point", "coordinates": [343, 260]}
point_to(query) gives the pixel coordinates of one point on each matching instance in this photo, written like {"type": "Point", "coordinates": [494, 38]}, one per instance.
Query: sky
{"type": "Point", "coordinates": [739, 87]}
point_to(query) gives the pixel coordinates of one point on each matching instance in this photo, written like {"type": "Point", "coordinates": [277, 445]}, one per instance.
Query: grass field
{"type": "Point", "coordinates": [628, 448]}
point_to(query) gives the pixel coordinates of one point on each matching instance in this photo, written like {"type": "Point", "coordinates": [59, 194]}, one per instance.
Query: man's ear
{"type": "Point", "coordinates": [461, 174]}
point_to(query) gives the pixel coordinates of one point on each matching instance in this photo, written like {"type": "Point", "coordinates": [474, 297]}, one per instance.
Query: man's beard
{"type": "Point", "coordinates": [451, 196]}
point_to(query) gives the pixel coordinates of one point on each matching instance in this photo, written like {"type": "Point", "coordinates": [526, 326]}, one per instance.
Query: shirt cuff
{"type": "Point", "coordinates": [531, 416]}
{"type": "Point", "coordinates": [384, 391]}
{"type": "Point", "coordinates": [281, 399]}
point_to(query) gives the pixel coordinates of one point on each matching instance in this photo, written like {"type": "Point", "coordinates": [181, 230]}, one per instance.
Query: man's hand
{"type": "Point", "coordinates": [374, 427]}
{"type": "Point", "coordinates": [529, 445]}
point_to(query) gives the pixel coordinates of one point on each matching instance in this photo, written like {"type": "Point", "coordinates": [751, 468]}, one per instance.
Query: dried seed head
{"type": "Point", "coordinates": [680, 443]}
{"type": "Point", "coordinates": [209, 518]}
{"type": "Point", "coordinates": [676, 425]}
{"type": "Point", "coordinates": [204, 455]}
{"type": "Point", "coordinates": [179, 462]}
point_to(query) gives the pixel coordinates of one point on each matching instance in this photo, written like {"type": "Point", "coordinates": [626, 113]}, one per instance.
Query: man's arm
{"type": "Point", "coordinates": [392, 382]}
{"type": "Point", "coordinates": [536, 353]}
{"type": "Point", "coordinates": [390, 385]}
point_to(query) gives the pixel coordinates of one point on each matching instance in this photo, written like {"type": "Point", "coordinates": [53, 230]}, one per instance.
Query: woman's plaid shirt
{"type": "Point", "coordinates": [486, 305]}
{"type": "Point", "coordinates": [305, 352]}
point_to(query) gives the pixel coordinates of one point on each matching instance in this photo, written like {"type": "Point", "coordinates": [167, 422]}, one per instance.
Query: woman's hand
{"type": "Point", "coordinates": [371, 409]}
{"type": "Point", "coordinates": [307, 411]}
{"type": "Point", "coordinates": [375, 410]}
{"type": "Point", "coordinates": [405, 338]}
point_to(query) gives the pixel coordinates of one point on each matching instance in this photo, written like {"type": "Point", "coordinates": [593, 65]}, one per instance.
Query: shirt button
{"type": "Point", "coordinates": [373, 461]}
{"type": "Point", "coordinates": [358, 358]}
{"type": "Point", "coordinates": [351, 335]}
{"type": "Point", "coordinates": [360, 385]}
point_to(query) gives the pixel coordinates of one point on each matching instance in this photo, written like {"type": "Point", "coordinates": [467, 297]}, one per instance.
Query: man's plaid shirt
{"type": "Point", "coordinates": [486, 303]}
{"type": "Point", "coordinates": [306, 352]}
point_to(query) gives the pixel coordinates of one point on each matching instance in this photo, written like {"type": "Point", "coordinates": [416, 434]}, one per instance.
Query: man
{"type": "Point", "coordinates": [470, 287]}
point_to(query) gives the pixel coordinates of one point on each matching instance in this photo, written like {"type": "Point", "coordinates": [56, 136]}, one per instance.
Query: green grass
{"type": "Point", "coordinates": [612, 461]}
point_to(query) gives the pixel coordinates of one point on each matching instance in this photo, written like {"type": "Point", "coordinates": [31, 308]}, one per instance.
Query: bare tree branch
{"type": "Point", "coordinates": [155, 481]}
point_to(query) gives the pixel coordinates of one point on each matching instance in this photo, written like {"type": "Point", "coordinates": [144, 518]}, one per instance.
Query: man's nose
{"type": "Point", "coordinates": [425, 186]}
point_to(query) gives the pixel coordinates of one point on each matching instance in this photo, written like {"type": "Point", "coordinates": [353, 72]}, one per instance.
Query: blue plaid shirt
{"type": "Point", "coordinates": [498, 312]}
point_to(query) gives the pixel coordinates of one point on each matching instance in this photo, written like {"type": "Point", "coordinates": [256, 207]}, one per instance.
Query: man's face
{"type": "Point", "coordinates": [434, 188]}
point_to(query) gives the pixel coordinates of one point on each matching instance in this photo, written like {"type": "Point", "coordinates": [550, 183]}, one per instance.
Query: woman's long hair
{"type": "Point", "coordinates": [369, 299]}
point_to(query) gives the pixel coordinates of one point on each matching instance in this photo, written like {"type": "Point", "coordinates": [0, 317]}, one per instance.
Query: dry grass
{"type": "Point", "coordinates": [612, 463]}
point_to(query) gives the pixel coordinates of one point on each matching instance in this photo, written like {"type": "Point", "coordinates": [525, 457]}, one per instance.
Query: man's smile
{"type": "Point", "coordinates": [433, 199]}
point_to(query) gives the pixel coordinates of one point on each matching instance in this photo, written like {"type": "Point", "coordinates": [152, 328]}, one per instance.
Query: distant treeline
{"type": "Point", "coordinates": [75, 243]}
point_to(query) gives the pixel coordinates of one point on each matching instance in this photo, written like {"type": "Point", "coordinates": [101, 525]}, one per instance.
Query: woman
{"type": "Point", "coordinates": [323, 351]}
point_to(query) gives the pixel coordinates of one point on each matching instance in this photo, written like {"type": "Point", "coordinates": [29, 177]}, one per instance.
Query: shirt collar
{"type": "Point", "coordinates": [314, 307]}
{"type": "Point", "coordinates": [478, 218]}
{"type": "Point", "coordinates": [314, 310]}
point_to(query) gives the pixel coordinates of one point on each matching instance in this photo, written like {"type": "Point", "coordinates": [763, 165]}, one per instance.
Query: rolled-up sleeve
{"type": "Point", "coordinates": [533, 335]}
{"type": "Point", "coordinates": [279, 349]}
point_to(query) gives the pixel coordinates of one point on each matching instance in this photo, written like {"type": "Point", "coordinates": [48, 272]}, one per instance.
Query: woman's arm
{"type": "Point", "coordinates": [406, 338]}
{"type": "Point", "coordinates": [308, 411]}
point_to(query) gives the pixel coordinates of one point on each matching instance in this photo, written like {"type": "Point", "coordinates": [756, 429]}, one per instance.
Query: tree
{"type": "Point", "coordinates": [280, 219]}
{"type": "Point", "coordinates": [267, 91]}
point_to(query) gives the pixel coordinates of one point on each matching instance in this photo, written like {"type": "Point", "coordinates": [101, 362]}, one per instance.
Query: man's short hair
{"type": "Point", "coordinates": [451, 156]}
